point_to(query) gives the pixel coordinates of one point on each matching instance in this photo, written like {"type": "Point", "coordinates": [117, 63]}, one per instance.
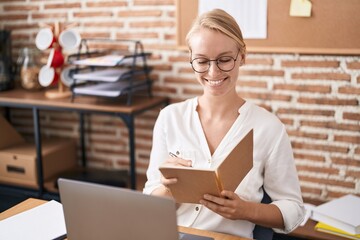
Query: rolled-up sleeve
{"type": "Point", "coordinates": [282, 184]}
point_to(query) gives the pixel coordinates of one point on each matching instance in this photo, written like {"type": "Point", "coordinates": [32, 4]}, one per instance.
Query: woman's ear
{"type": "Point", "coordinates": [242, 62]}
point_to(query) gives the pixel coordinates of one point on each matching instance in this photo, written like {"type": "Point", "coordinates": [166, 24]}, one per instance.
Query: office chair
{"type": "Point", "coordinates": [260, 232]}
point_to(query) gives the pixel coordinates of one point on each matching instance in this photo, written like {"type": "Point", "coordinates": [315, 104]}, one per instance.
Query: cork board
{"type": "Point", "coordinates": [333, 28]}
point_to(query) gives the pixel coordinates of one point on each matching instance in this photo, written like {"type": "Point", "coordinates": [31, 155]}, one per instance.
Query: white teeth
{"type": "Point", "coordinates": [215, 83]}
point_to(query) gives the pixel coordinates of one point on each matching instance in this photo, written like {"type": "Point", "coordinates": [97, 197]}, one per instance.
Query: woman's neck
{"type": "Point", "coordinates": [219, 106]}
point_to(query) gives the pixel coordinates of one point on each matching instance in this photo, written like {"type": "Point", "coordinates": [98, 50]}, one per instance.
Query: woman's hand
{"type": "Point", "coordinates": [230, 205]}
{"type": "Point", "coordinates": [174, 161]}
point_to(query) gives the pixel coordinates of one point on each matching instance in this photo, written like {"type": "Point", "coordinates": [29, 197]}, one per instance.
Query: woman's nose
{"type": "Point", "coordinates": [213, 68]}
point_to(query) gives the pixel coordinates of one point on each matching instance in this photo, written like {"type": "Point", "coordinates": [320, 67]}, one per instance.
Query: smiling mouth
{"type": "Point", "coordinates": [215, 82]}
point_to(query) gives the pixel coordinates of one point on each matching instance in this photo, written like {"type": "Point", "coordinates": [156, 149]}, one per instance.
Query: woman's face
{"type": "Point", "coordinates": [210, 44]}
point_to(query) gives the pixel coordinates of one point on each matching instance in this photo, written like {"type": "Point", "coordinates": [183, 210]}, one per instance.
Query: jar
{"type": "Point", "coordinates": [29, 69]}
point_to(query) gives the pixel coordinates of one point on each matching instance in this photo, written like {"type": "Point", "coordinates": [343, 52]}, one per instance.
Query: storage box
{"type": "Point", "coordinates": [18, 158]}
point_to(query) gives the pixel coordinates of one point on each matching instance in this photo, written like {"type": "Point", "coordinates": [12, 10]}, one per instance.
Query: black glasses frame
{"type": "Point", "coordinates": [217, 63]}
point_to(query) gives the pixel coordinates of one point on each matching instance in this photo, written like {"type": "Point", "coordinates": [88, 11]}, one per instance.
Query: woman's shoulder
{"type": "Point", "coordinates": [179, 107]}
{"type": "Point", "coordinates": [263, 117]}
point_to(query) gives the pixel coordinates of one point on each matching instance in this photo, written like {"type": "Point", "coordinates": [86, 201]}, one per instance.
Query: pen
{"type": "Point", "coordinates": [172, 155]}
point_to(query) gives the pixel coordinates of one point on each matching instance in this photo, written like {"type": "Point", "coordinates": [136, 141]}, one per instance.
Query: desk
{"type": "Point", "coordinates": [32, 202]}
{"type": "Point", "coordinates": [36, 101]}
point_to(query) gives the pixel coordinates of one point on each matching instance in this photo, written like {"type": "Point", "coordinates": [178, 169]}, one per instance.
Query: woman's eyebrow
{"type": "Point", "coordinates": [227, 53]}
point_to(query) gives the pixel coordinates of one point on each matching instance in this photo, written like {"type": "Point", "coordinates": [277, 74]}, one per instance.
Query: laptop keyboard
{"type": "Point", "coordinates": [188, 236]}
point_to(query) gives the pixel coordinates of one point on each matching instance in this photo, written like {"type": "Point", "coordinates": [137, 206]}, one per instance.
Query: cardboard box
{"type": "Point", "coordinates": [18, 158]}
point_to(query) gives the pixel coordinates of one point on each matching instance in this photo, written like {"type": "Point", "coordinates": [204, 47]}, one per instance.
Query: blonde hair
{"type": "Point", "coordinates": [221, 21]}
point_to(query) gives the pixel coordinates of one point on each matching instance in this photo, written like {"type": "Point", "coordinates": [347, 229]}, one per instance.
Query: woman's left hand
{"type": "Point", "coordinates": [230, 206]}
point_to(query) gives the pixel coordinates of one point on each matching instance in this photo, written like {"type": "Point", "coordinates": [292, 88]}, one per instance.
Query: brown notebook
{"type": "Point", "coordinates": [193, 183]}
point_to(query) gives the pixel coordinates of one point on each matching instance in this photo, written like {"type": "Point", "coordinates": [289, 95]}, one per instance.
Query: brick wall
{"type": "Point", "coordinates": [317, 97]}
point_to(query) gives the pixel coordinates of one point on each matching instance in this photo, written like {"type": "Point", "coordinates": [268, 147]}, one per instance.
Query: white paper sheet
{"type": "Point", "coordinates": [251, 15]}
{"type": "Point", "coordinates": [40, 223]}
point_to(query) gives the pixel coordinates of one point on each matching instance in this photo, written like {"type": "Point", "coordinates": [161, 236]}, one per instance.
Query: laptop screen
{"type": "Point", "coordinates": [94, 211]}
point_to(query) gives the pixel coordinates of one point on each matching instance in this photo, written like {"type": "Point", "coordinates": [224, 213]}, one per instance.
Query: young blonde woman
{"type": "Point", "coordinates": [203, 130]}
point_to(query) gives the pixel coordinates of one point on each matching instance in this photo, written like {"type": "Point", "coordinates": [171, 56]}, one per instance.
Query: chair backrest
{"type": "Point", "coordinates": [260, 232]}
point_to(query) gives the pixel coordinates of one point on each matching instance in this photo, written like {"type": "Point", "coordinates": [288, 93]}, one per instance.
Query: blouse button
{"type": "Point", "coordinates": [197, 208]}
{"type": "Point", "coordinates": [177, 152]}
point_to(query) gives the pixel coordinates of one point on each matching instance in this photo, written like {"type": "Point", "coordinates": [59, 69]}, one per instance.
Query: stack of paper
{"type": "Point", "coordinates": [341, 215]}
{"type": "Point", "coordinates": [107, 75]}
{"type": "Point", "coordinates": [41, 223]}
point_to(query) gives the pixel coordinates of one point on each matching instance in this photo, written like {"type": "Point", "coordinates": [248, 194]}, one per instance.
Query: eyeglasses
{"type": "Point", "coordinates": [224, 63]}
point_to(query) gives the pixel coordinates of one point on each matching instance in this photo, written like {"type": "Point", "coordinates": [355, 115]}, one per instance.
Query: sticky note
{"type": "Point", "coordinates": [300, 8]}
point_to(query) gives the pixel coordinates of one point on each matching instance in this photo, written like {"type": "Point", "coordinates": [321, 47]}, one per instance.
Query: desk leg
{"type": "Point", "coordinates": [37, 136]}
{"type": "Point", "coordinates": [132, 153]}
{"type": "Point", "coordinates": [129, 120]}
{"type": "Point", "coordinates": [82, 139]}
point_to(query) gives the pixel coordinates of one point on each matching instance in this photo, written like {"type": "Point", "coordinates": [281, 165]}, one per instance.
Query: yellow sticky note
{"type": "Point", "coordinates": [300, 8]}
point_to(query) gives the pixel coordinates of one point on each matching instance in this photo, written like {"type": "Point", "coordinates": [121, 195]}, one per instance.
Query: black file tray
{"type": "Point", "coordinates": [120, 69]}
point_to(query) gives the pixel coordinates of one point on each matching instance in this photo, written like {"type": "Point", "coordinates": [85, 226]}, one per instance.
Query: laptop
{"type": "Point", "coordinates": [94, 211]}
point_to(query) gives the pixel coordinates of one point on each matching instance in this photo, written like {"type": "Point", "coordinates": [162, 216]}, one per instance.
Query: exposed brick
{"type": "Point", "coordinates": [310, 157]}
{"type": "Point", "coordinates": [331, 125]}
{"type": "Point", "coordinates": [21, 27]}
{"type": "Point", "coordinates": [87, 14]}
{"type": "Point", "coordinates": [253, 84]}
{"type": "Point", "coordinates": [328, 181]}
{"type": "Point", "coordinates": [160, 46]}
{"type": "Point", "coordinates": [266, 96]}
{"type": "Point", "coordinates": [164, 67]}
{"type": "Point", "coordinates": [116, 24]}
{"type": "Point", "coordinates": [310, 190]}
{"type": "Point", "coordinates": [311, 199]}
{"type": "Point", "coordinates": [107, 4]}
{"type": "Point", "coordinates": [179, 80]}
{"type": "Point", "coordinates": [137, 35]}
{"type": "Point", "coordinates": [311, 112]}
{"type": "Point", "coordinates": [259, 61]}
{"type": "Point", "coordinates": [319, 147]}
{"type": "Point", "coordinates": [170, 36]}
{"type": "Point", "coordinates": [322, 76]}
{"type": "Point", "coordinates": [154, 2]}
{"type": "Point", "coordinates": [272, 73]}
{"type": "Point", "coordinates": [329, 101]}
{"type": "Point", "coordinates": [152, 24]}
{"type": "Point", "coordinates": [287, 121]}
{"type": "Point", "coordinates": [323, 170]}
{"type": "Point", "coordinates": [145, 13]}
{"type": "Point", "coordinates": [13, 17]}
{"type": "Point", "coordinates": [314, 64]}
{"type": "Point", "coordinates": [349, 139]}
{"type": "Point", "coordinates": [9, 8]}
{"type": "Point", "coordinates": [179, 59]}
{"type": "Point", "coordinates": [297, 133]}
{"type": "Point", "coordinates": [62, 6]}
{"type": "Point", "coordinates": [186, 70]}
{"type": "Point", "coordinates": [353, 65]}
{"type": "Point", "coordinates": [346, 161]}
{"type": "Point", "coordinates": [333, 195]}
{"type": "Point", "coordinates": [351, 116]}
{"type": "Point", "coordinates": [357, 150]}
{"type": "Point", "coordinates": [50, 16]}
{"type": "Point", "coordinates": [95, 35]}
{"type": "Point", "coordinates": [349, 90]}
{"type": "Point", "coordinates": [303, 88]}
{"type": "Point", "coordinates": [354, 174]}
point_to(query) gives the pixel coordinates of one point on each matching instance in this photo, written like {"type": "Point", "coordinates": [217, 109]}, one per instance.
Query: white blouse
{"type": "Point", "coordinates": [178, 130]}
